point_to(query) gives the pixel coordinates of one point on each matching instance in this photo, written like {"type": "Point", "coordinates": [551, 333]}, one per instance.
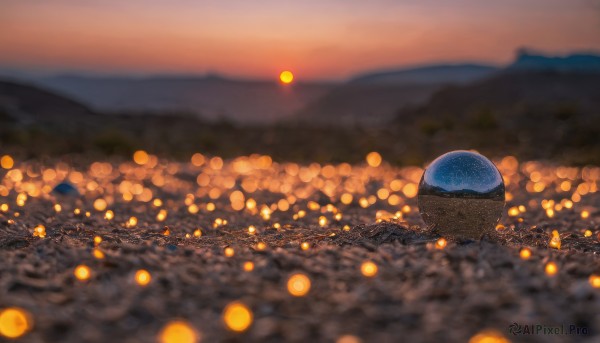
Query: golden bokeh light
{"type": "Point", "coordinates": [237, 316]}
{"type": "Point", "coordinates": [286, 77]}
{"type": "Point", "coordinates": [14, 322]}
{"type": "Point", "coordinates": [374, 159]}
{"type": "Point", "coordinates": [100, 204]}
{"type": "Point", "coordinates": [98, 254]}
{"type": "Point", "coordinates": [142, 277]}
{"type": "Point", "coordinates": [551, 268]}
{"type": "Point", "coordinates": [489, 336]}
{"type": "Point", "coordinates": [441, 243]}
{"type": "Point", "coordinates": [39, 231]}
{"type": "Point", "coordinates": [141, 157]}
{"type": "Point", "coordinates": [178, 331]}
{"type": "Point", "coordinates": [525, 253]}
{"type": "Point", "coordinates": [348, 339]}
{"type": "Point", "coordinates": [298, 285]}
{"type": "Point", "coordinates": [555, 240]}
{"type": "Point", "coordinates": [7, 162]}
{"type": "Point", "coordinates": [82, 272]}
{"type": "Point", "coordinates": [368, 269]}
{"type": "Point", "coordinates": [248, 266]}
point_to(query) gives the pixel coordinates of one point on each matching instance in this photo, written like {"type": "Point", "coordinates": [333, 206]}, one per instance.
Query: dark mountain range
{"type": "Point", "coordinates": [374, 98]}
{"type": "Point", "coordinates": [427, 75]}
{"type": "Point", "coordinates": [367, 99]}
{"type": "Point", "coordinates": [537, 113]}
{"type": "Point", "coordinates": [211, 97]}
{"type": "Point", "coordinates": [28, 104]}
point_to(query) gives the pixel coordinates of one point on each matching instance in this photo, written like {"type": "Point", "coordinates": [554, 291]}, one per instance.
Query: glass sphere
{"type": "Point", "coordinates": [461, 195]}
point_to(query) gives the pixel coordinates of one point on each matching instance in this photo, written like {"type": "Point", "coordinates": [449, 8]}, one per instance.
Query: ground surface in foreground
{"type": "Point", "coordinates": [150, 213]}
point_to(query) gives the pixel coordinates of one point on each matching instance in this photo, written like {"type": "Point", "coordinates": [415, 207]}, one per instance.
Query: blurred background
{"type": "Point", "coordinates": [324, 81]}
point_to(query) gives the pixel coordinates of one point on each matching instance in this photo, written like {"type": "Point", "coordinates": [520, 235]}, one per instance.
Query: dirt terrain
{"type": "Point", "coordinates": [194, 226]}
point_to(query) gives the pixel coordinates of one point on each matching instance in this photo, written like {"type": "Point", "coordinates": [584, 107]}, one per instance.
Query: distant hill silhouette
{"type": "Point", "coordinates": [211, 97]}
{"type": "Point", "coordinates": [373, 98]}
{"type": "Point", "coordinates": [537, 113]}
{"type": "Point", "coordinates": [430, 74]}
{"type": "Point", "coordinates": [29, 104]}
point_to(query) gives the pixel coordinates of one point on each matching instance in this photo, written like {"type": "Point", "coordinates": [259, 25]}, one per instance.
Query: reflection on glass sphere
{"type": "Point", "coordinates": [461, 195]}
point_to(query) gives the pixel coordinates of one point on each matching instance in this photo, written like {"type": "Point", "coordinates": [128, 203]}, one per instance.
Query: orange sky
{"type": "Point", "coordinates": [315, 39]}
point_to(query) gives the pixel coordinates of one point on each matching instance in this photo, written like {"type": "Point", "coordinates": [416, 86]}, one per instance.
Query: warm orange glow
{"type": "Point", "coordinates": [237, 317]}
{"type": "Point", "coordinates": [374, 159]}
{"type": "Point", "coordinates": [132, 222]}
{"type": "Point", "coordinates": [14, 322]}
{"type": "Point", "coordinates": [261, 246]}
{"type": "Point", "coordinates": [229, 252]}
{"type": "Point", "coordinates": [286, 77]}
{"type": "Point", "coordinates": [141, 157]}
{"type": "Point", "coordinates": [489, 336]}
{"type": "Point", "coordinates": [368, 269]}
{"type": "Point", "coordinates": [82, 272]}
{"type": "Point", "coordinates": [39, 231]}
{"type": "Point", "coordinates": [525, 253]}
{"type": "Point", "coordinates": [551, 268]}
{"type": "Point", "coordinates": [595, 281]}
{"type": "Point", "coordinates": [441, 243]}
{"type": "Point", "coordinates": [348, 339]}
{"type": "Point", "coordinates": [142, 277]}
{"type": "Point", "coordinates": [298, 285]}
{"type": "Point", "coordinates": [248, 266]}
{"type": "Point", "coordinates": [555, 240]}
{"type": "Point", "coordinates": [513, 211]}
{"type": "Point", "coordinates": [162, 215]}
{"type": "Point", "coordinates": [198, 159]}
{"type": "Point", "coordinates": [100, 204]}
{"type": "Point", "coordinates": [98, 254]}
{"type": "Point", "coordinates": [178, 331]}
{"type": "Point", "coordinates": [322, 221]}
{"type": "Point", "coordinates": [7, 162]}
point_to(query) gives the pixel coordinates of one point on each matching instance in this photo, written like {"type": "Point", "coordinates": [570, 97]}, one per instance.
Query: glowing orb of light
{"type": "Point", "coordinates": [237, 316]}
{"type": "Point", "coordinates": [368, 269]}
{"type": "Point", "coordinates": [178, 331]}
{"type": "Point", "coordinates": [286, 77]}
{"type": "Point", "coordinates": [14, 322]}
{"type": "Point", "coordinates": [298, 285]}
{"type": "Point", "coordinates": [143, 277]}
{"type": "Point", "coordinates": [82, 272]}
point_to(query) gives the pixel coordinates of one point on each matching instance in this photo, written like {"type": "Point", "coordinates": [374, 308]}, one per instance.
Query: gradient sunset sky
{"type": "Point", "coordinates": [317, 39]}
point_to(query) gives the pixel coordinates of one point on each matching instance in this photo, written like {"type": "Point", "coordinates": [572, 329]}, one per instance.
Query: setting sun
{"type": "Point", "coordinates": [286, 77]}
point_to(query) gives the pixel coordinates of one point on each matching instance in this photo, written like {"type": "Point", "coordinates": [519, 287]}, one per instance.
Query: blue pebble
{"type": "Point", "coordinates": [65, 188]}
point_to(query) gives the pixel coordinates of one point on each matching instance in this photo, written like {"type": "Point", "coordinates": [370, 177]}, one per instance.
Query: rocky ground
{"type": "Point", "coordinates": [195, 226]}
